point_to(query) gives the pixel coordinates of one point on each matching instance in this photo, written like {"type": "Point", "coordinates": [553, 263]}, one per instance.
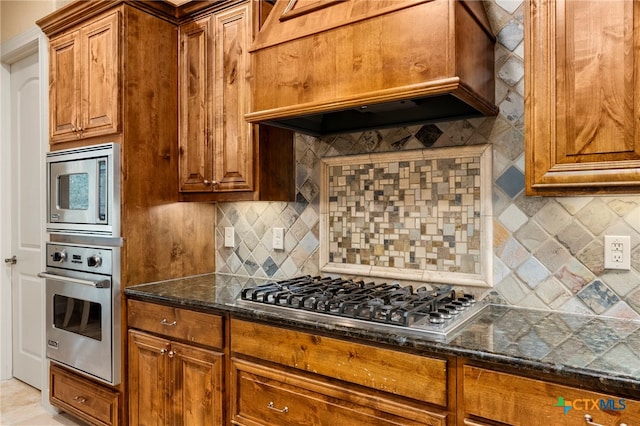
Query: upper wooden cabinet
{"type": "Point", "coordinates": [582, 103]}
{"type": "Point", "coordinates": [84, 80]}
{"type": "Point", "coordinates": [222, 156]}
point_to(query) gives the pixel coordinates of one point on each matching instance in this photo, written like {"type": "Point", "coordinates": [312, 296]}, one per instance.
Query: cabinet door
{"type": "Point", "coordinates": [197, 391]}
{"type": "Point", "coordinates": [234, 145]}
{"type": "Point", "coordinates": [100, 77]}
{"type": "Point", "coordinates": [64, 84]}
{"type": "Point", "coordinates": [195, 99]}
{"type": "Point", "coordinates": [148, 376]}
{"type": "Point", "coordinates": [583, 96]}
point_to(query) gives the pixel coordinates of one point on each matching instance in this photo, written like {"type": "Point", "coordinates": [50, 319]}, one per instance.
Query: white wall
{"type": "Point", "coordinates": [18, 16]}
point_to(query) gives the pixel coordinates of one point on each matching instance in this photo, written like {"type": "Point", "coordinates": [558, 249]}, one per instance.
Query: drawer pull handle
{"type": "Point", "coordinates": [589, 420]}
{"type": "Point", "coordinates": [80, 399]}
{"type": "Point", "coordinates": [284, 410]}
{"type": "Point", "coordinates": [167, 323]}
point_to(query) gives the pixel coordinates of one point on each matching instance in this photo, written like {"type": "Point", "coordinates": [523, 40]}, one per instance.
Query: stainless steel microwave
{"type": "Point", "coordinates": [84, 191]}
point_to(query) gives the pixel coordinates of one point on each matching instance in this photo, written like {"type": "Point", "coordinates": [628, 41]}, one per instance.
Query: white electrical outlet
{"type": "Point", "coordinates": [617, 252]}
{"type": "Point", "coordinates": [229, 237]}
{"type": "Point", "coordinates": [278, 238]}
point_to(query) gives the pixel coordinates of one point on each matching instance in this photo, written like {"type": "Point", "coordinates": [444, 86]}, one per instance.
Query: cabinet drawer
{"type": "Point", "coordinates": [517, 400]}
{"type": "Point", "coordinates": [93, 403]}
{"type": "Point", "coordinates": [370, 366]}
{"type": "Point", "coordinates": [178, 323]}
{"type": "Point", "coordinates": [268, 396]}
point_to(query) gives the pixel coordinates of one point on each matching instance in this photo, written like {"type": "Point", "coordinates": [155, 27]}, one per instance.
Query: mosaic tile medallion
{"type": "Point", "coordinates": [422, 215]}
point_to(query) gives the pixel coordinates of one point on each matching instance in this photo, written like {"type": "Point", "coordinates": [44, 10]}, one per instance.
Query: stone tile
{"type": "Point", "coordinates": [623, 205]}
{"type": "Point", "coordinates": [633, 219]}
{"type": "Point", "coordinates": [553, 218]}
{"type": "Point", "coordinates": [598, 297]}
{"type": "Point", "coordinates": [574, 204]}
{"type": "Point", "coordinates": [512, 107]}
{"type": "Point", "coordinates": [532, 272]}
{"type": "Point", "coordinates": [511, 35]}
{"type": "Point", "coordinates": [512, 290]}
{"type": "Point", "coordinates": [511, 72]}
{"type": "Point", "coordinates": [553, 293]}
{"type": "Point", "coordinates": [511, 182]}
{"type": "Point", "coordinates": [622, 282]}
{"type": "Point", "coordinates": [592, 256]}
{"type": "Point", "coordinates": [574, 275]}
{"type": "Point", "coordinates": [531, 205]}
{"type": "Point", "coordinates": [428, 135]}
{"type": "Point", "coordinates": [574, 237]}
{"type": "Point", "coordinates": [552, 255]}
{"type": "Point", "coordinates": [531, 235]}
{"type": "Point", "coordinates": [513, 218]}
{"type": "Point", "coordinates": [512, 253]}
{"type": "Point", "coordinates": [596, 216]}
{"type": "Point", "coordinates": [509, 5]}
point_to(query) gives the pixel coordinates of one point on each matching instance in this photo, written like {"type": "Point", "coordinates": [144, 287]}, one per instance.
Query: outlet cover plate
{"type": "Point", "coordinates": [617, 252]}
{"type": "Point", "coordinates": [229, 238]}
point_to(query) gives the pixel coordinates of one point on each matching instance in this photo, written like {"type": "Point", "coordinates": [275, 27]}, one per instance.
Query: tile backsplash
{"type": "Point", "coordinates": [421, 215]}
{"type": "Point", "coordinates": [548, 252]}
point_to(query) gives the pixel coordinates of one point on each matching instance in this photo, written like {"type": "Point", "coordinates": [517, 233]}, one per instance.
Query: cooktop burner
{"type": "Point", "coordinates": [437, 311]}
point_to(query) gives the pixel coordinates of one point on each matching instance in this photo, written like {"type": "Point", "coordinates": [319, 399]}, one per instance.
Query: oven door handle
{"type": "Point", "coordinates": [96, 284]}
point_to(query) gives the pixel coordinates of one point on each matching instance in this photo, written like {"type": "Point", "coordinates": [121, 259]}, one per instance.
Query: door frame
{"type": "Point", "coordinates": [17, 48]}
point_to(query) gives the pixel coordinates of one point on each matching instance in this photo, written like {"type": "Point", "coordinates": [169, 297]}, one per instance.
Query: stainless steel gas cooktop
{"type": "Point", "coordinates": [434, 312]}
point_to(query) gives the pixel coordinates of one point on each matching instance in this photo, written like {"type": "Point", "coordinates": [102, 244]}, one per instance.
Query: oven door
{"type": "Point", "coordinates": [79, 323]}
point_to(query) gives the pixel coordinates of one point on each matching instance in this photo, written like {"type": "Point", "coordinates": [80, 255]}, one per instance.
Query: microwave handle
{"type": "Point", "coordinates": [103, 193]}
{"type": "Point", "coordinates": [96, 284]}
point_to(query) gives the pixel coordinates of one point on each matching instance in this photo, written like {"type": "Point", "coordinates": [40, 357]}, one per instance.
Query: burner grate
{"type": "Point", "coordinates": [379, 303]}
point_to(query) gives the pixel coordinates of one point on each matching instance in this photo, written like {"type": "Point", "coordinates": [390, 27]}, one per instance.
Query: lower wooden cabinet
{"type": "Point", "coordinates": [262, 395]}
{"type": "Point", "coordinates": [514, 400]}
{"type": "Point", "coordinates": [85, 399]}
{"type": "Point", "coordinates": [172, 381]}
{"type": "Point", "coordinates": [286, 377]}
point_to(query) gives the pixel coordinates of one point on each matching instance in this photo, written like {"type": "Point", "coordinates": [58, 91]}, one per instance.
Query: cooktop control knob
{"type": "Point", "coordinates": [94, 261]}
{"type": "Point", "coordinates": [59, 256]}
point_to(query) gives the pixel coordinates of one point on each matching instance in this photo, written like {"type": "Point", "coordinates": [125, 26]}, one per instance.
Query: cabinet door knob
{"type": "Point", "coordinates": [11, 260]}
{"type": "Point", "coordinates": [271, 406]}
{"type": "Point", "coordinates": [163, 351]}
{"type": "Point", "coordinates": [172, 354]}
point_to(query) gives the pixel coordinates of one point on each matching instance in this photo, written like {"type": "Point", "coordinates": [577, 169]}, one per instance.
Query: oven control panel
{"type": "Point", "coordinates": [94, 259]}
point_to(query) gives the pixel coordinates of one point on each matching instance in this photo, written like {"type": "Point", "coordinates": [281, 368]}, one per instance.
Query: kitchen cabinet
{"type": "Point", "coordinates": [582, 97]}
{"type": "Point", "coordinates": [114, 73]}
{"type": "Point", "coordinates": [95, 404]}
{"type": "Point", "coordinates": [222, 156]}
{"type": "Point", "coordinates": [281, 376]}
{"type": "Point", "coordinates": [84, 80]}
{"type": "Point", "coordinates": [175, 366]}
{"type": "Point", "coordinates": [492, 396]}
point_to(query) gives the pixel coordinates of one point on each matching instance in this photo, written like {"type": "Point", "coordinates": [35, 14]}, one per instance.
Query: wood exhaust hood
{"type": "Point", "coordinates": [332, 66]}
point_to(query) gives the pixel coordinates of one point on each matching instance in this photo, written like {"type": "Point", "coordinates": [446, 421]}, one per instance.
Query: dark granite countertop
{"type": "Point", "coordinates": [598, 350]}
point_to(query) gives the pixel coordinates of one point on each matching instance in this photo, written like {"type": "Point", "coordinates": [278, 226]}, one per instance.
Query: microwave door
{"type": "Point", "coordinates": [74, 192]}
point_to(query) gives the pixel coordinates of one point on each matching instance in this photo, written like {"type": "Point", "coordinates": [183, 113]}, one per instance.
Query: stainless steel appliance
{"type": "Point", "coordinates": [83, 309]}
{"type": "Point", "coordinates": [435, 312]}
{"type": "Point", "coordinates": [84, 191]}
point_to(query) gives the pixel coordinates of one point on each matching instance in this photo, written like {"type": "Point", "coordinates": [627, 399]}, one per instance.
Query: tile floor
{"type": "Point", "coordinates": [20, 404]}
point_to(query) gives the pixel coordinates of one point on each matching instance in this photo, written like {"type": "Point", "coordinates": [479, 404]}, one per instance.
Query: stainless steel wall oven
{"type": "Point", "coordinates": [83, 309]}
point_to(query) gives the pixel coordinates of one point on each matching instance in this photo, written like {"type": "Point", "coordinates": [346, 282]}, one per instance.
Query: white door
{"type": "Point", "coordinates": [27, 290]}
